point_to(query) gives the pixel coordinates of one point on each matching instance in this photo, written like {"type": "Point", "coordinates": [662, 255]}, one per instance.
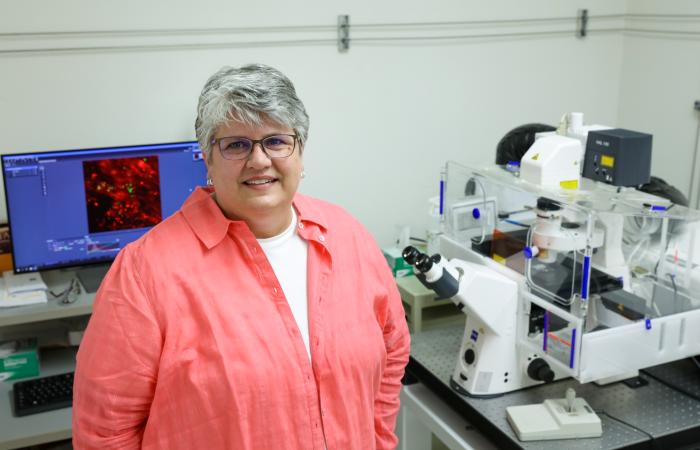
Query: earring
{"type": "Point", "coordinates": [303, 174]}
{"type": "Point", "coordinates": [210, 182]}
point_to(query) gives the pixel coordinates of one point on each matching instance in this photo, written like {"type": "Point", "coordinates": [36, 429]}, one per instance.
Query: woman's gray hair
{"type": "Point", "coordinates": [248, 94]}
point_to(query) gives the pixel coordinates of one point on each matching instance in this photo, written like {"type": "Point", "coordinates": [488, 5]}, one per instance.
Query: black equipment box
{"type": "Point", "coordinates": [619, 157]}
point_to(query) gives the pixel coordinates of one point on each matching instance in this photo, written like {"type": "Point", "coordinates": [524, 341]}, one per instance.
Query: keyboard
{"type": "Point", "coordinates": [43, 394]}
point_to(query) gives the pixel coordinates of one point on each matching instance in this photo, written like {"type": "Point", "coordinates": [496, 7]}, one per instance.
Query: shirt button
{"type": "Point", "coordinates": [321, 238]}
{"type": "Point", "coordinates": [301, 225]}
{"type": "Point", "coordinates": [274, 290]}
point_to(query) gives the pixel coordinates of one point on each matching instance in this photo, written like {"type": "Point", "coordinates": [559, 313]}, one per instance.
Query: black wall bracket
{"type": "Point", "coordinates": [581, 23]}
{"type": "Point", "coordinates": [343, 33]}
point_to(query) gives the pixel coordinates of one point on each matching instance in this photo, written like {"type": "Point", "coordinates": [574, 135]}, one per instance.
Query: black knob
{"type": "Point", "coordinates": [469, 356]}
{"type": "Point", "coordinates": [539, 370]}
{"type": "Point", "coordinates": [424, 263]}
{"type": "Point", "coordinates": [546, 204]}
{"type": "Point", "coordinates": [410, 254]}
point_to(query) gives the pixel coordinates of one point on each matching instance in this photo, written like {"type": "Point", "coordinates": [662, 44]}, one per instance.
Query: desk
{"type": "Point", "coordinates": [52, 425]}
{"type": "Point", "coordinates": [56, 280]}
{"type": "Point", "coordinates": [659, 415]}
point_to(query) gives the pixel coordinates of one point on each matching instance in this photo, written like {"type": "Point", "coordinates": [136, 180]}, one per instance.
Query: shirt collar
{"type": "Point", "coordinates": [309, 212]}
{"type": "Point", "coordinates": [211, 226]}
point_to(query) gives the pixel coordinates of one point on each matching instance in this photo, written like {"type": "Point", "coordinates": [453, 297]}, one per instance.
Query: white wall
{"type": "Point", "coordinates": [660, 82]}
{"type": "Point", "coordinates": [384, 117]}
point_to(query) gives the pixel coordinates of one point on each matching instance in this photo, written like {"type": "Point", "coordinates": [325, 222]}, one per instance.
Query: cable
{"type": "Point", "coordinates": [325, 29]}
{"type": "Point", "coordinates": [663, 16]}
{"type": "Point", "coordinates": [357, 26]}
{"type": "Point", "coordinates": [472, 36]}
{"type": "Point", "coordinates": [694, 358]}
{"type": "Point", "coordinates": [463, 22]}
{"type": "Point", "coordinates": [625, 423]}
{"type": "Point", "coordinates": [237, 30]}
{"type": "Point", "coordinates": [260, 29]}
{"type": "Point", "coordinates": [672, 32]}
{"type": "Point", "coordinates": [328, 42]}
{"type": "Point", "coordinates": [515, 222]}
{"type": "Point", "coordinates": [173, 46]}
{"type": "Point", "coordinates": [68, 295]}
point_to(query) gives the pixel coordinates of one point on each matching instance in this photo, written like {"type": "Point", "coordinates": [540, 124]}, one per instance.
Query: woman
{"type": "Point", "coordinates": [253, 318]}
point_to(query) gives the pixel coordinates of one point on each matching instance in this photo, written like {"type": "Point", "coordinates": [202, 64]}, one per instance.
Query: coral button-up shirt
{"type": "Point", "coordinates": [192, 344]}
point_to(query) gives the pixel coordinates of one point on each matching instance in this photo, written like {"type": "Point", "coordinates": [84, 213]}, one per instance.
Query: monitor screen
{"type": "Point", "coordinates": [80, 207]}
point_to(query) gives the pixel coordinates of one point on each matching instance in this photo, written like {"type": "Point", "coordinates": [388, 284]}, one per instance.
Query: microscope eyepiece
{"type": "Point", "coordinates": [424, 263]}
{"type": "Point", "coordinates": [420, 261]}
{"type": "Point", "coordinates": [410, 254]}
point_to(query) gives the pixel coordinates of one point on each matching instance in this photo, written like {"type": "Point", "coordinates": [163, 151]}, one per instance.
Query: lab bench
{"type": "Point", "coordinates": [665, 413]}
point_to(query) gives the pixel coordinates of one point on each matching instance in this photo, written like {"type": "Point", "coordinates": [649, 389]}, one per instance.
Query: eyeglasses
{"type": "Point", "coordinates": [68, 295]}
{"type": "Point", "coordinates": [275, 146]}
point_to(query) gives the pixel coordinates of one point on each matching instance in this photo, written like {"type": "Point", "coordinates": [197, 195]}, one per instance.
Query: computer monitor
{"type": "Point", "coordinates": [80, 207]}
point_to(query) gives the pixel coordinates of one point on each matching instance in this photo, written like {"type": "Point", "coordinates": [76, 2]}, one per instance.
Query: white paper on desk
{"type": "Point", "coordinates": [23, 282]}
{"type": "Point", "coordinates": [20, 298]}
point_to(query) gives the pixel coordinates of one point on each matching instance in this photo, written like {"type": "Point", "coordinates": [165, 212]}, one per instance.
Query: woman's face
{"type": "Point", "coordinates": [257, 187]}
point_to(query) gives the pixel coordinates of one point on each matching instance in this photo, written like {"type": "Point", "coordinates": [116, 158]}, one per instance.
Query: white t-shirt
{"type": "Point", "coordinates": [287, 253]}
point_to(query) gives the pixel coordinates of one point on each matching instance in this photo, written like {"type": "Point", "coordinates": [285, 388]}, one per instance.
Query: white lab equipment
{"type": "Point", "coordinates": [572, 125]}
{"type": "Point", "coordinates": [561, 418]}
{"type": "Point", "coordinates": [563, 284]}
{"type": "Point", "coordinates": [551, 166]}
{"type": "Point", "coordinates": [553, 161]}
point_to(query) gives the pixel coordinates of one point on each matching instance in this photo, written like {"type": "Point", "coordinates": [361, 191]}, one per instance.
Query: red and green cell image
{"type": "Point", "coordinates": [122, 193]}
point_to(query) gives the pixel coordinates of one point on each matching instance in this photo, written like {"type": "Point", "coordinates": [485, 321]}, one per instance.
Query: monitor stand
{"type": "Point", "coordinates": [91, 276]}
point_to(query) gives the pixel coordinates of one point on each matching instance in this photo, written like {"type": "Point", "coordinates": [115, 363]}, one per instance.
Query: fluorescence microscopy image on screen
{"type": "Point", "coordinates": [122, 193]}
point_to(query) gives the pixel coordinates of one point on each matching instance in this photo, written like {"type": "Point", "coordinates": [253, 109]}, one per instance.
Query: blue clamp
{"type": "Point", "coordinates": [656, 208]}
{"type": "Point", "coordinates": [513, 166]}
{"type": "Point", "coordinates": [647, 323]}
{"type": "Point", "coordinates": [476, 213]}
{"type": "Point", "coordinates": [528, 252]}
